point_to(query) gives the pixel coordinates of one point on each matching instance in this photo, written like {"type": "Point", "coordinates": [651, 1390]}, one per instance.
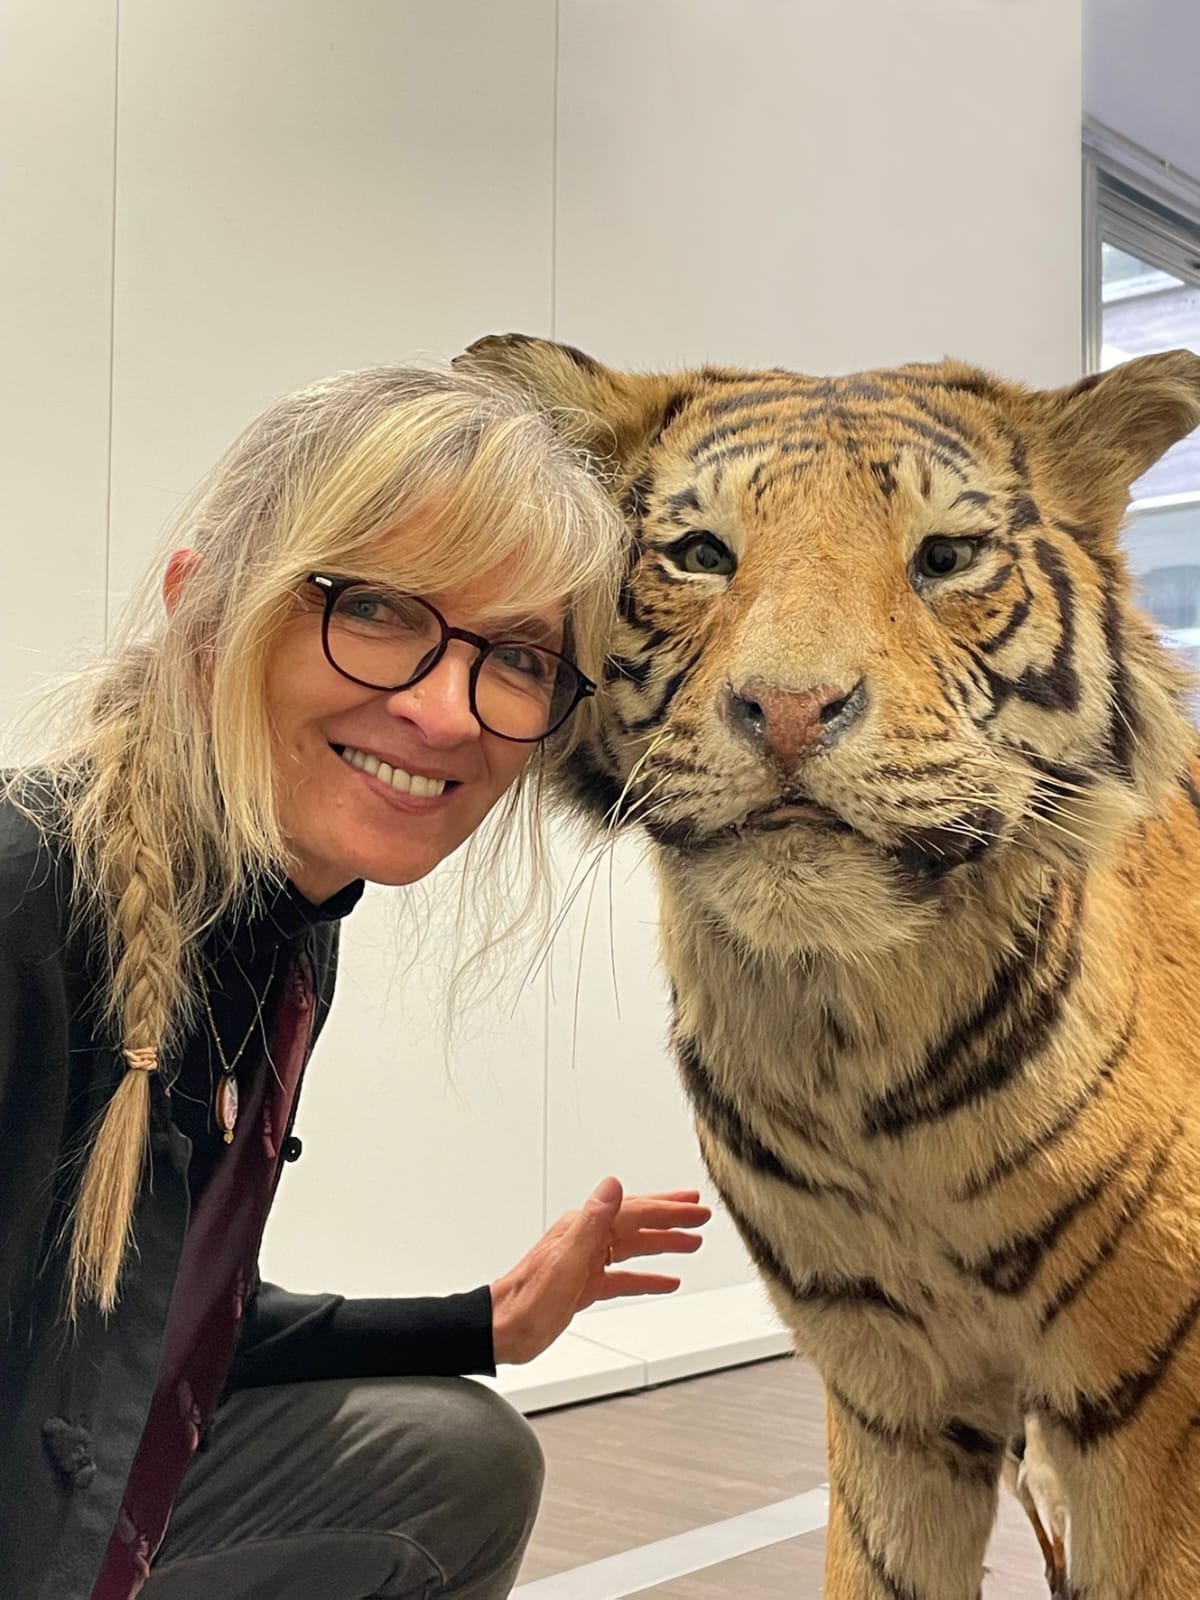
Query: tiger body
{"type": "Point", "coordinates": [925, 810]}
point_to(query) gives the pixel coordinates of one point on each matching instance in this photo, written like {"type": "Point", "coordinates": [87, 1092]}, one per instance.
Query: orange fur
{"type": "Point", "coordinates": [926, 811]}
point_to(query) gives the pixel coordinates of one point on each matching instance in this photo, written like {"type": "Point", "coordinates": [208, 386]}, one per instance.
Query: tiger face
{"type": "Point", "coordinates": [875, 635]}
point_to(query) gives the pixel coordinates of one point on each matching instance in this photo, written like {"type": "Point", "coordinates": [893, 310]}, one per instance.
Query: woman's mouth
{"type": "Point", "coordinates": [395, 777]}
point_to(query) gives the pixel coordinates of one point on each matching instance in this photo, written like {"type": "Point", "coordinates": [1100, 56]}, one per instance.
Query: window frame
{"type": "Point", "coordinates": [1141, 204]}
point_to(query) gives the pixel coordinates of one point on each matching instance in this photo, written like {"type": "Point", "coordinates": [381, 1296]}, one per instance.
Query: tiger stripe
{"type": "Point", "coordinates": [727, 1125]}
{"type": "Point", "coordinates": [1133, 1209]}
{"type": "Point", "coordinates": [877, 1564]}
{"type": "Point", "coordinates": [991, 1046]}
{"type": "Point", "coordinates": [1010, 1268]}
{"type": "Point", "coordinates": [962, 1450]}
{"type": "Point", "coordinates": [1017, 1157]}
{"type": "Point", "coordinates": [817, 1289]}
{"type": "Point", "coordinates": [1095, 1417]}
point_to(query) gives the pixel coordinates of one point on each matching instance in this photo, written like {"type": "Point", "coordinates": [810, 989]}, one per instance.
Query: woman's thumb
{"type": "Point", "coordinates": [603, 1203]}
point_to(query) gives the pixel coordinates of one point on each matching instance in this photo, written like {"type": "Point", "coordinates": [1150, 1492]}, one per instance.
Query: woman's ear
{"type": "Point", "coordinates": [179, 569]}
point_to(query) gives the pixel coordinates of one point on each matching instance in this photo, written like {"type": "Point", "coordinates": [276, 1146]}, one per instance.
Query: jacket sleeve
{"type": "Point", "coordinates": [41, 1104]}
{"type": "Point", "coordinates": [293, 1338]}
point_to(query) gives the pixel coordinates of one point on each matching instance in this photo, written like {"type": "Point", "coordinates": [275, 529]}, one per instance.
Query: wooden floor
{"type": "Point", "coordinates": [626, 1472]}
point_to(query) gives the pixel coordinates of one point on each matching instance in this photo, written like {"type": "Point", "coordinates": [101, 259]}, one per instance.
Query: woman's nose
{"type": "Point", "coordinates": [439, 705]}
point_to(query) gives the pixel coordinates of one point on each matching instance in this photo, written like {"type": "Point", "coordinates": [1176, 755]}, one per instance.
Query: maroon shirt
{"type": "Point", "coordinates": [216, 1272]}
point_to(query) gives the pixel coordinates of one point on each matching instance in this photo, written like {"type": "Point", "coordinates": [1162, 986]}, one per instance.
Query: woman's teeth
{"type": "Point", "coordinates": [405, 782]}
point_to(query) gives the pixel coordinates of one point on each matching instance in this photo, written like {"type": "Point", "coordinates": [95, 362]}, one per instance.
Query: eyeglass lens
{"type": "Point", "coordinates": [387, 640]}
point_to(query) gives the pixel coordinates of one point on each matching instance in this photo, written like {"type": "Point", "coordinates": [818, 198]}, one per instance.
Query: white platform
{"type": "Point", "coordinates": [616, 1349]}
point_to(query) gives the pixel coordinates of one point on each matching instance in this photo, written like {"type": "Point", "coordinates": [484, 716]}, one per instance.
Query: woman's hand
{"type": "Point", "coordinates": [575, 1264]}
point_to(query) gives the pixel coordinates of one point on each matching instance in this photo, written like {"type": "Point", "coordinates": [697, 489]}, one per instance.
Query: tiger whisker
{"type": "Point", "coordinates": [613, 815]}
{"type": "Point", "coordinates": [581, 873]}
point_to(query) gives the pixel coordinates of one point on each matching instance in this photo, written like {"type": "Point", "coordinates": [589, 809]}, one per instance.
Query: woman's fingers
{"type": "Point", "coordinates": [651, 1211]}
{"type": "Point", "coordinates": [616, 1284]}
{"type": "Point", "coordinates": [657, 1242]}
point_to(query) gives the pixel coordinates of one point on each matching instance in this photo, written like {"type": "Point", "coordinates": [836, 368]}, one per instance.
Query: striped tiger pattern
{"type": "Point", "coordinates": [925, 808]}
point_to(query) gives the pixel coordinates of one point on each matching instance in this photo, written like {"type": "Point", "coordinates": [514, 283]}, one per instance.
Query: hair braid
{"type": "Point", "coordinates": [144, 991]}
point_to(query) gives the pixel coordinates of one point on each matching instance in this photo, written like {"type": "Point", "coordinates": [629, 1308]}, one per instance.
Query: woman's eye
{"type": "Point", "coordinates": [517, 658]}
{"type": "Point", "coordinates": [944, 558]}
{"type": "Point", "coordinates": [704, 553]}
{"type": "Point", "coordinates": [395, 612]}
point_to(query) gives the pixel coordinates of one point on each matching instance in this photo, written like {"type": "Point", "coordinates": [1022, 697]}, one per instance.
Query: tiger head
{"type": "Point", "coordinates": [875, 633]}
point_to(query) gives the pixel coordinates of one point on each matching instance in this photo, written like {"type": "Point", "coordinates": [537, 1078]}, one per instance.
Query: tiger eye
{"type": "Point", "coordinates": [943, 558]}
{"type": "Point", "coordinates": [705, 554]}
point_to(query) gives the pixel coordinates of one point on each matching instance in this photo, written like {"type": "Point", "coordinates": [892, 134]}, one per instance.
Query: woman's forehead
{"type": "Point", "coordinates": [505, 593]}
{"type": "Point", "coordinates": [491, 612]}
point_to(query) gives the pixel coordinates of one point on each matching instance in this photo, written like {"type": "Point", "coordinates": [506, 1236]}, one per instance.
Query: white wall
{"type": "Point", "coordinates": [57, 109]}
{"type": "Point", "coordinates": [1140, 64]}
{"type": "Point", "coordinates": [827, 184]}
{"type": "Point", "coordinates": [302, 185]}
{"type": "Point", "coordinates": [305, 186]}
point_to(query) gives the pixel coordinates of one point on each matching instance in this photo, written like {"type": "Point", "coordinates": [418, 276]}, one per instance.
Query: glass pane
{"type": "Point", "coordinates": [1163, 546]}
{"type": "Point", "coordinates": [1144, 310]}
{"type": "Point", "coordinates": [1123, 276]}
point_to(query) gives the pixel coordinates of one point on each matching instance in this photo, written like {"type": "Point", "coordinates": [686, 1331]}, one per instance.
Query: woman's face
{"type": "Point", "coordinates": [344, 821]}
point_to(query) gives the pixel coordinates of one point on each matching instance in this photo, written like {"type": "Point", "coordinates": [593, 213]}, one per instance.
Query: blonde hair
{"type": "Point", "coordinates": [163, 784]}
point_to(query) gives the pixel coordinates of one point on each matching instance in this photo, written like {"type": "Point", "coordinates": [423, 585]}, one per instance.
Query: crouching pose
{"type": "Point", "coordinates": [390, 596]}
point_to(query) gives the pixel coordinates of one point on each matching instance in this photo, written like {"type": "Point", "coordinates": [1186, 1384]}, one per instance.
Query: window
{"type": "Point", "coordinates": [1142, 293]}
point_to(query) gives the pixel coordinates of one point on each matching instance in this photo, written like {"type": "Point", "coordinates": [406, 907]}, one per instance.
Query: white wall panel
{"type": "Point", "coordinates": [614, 1100]}
{"type": "Point", "coordinates": [820, 185]}
{"type": "Point", "coordinates": [420, 1174]}
{"type": "Point", "coordinates": [305, 186]}
{"type": "Point", "coordinates": [57, 101]}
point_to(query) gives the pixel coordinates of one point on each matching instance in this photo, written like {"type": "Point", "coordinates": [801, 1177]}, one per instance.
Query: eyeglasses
{"type": "Point", "coordinates": [385, 639]}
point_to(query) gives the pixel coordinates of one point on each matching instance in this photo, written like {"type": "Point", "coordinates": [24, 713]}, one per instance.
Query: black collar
{"type": "Point", "coordinates": [277, 914]}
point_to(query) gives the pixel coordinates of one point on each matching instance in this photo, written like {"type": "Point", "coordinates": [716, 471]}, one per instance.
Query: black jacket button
{"type": "Point", "coordinates": [69, 1446]}
{"type": "Point", "coordinates": [292, 1148]}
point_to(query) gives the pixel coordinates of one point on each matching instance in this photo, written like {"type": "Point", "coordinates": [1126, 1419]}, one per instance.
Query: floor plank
{"type": "Point", "coordinates": [628, 1471]}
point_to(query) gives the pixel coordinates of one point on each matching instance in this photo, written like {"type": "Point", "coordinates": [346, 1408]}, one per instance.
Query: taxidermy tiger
{"type": "Point", "coordinates": [924, 802]}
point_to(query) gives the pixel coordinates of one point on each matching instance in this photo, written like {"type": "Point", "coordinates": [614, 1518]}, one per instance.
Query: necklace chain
{"type": "Point", "coordinates": [225, 1103]}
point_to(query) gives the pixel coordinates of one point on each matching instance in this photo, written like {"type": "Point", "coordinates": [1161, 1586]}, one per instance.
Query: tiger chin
{"type": "Point", "coordinates": [924, 801]}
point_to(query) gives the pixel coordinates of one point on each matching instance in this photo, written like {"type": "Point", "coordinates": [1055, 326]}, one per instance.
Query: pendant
{"type": "Point", "coordinates": [227, 1105]}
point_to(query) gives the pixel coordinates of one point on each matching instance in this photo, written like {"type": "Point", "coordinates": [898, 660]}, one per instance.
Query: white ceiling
{"type": "Point", "coordinates": [1141, 74]}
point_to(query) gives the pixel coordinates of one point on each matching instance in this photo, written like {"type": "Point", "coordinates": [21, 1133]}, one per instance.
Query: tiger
{"type": "Point", "coordinates": [920, 785]}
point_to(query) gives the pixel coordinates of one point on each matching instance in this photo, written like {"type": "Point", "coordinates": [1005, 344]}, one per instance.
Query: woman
{"type": "Point", "coordinates": [389, 598]}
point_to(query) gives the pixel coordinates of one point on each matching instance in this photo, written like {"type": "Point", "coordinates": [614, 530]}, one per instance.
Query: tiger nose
{"type": "Point", "coordinates": [786, 724]}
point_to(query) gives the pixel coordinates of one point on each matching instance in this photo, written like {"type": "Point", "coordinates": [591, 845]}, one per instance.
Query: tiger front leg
{"type": "Point", "coordinates": [911, 1504]}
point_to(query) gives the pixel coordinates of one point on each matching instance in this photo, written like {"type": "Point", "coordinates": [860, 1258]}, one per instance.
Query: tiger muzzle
{"type": "Point", "coordinates": [786, 725]}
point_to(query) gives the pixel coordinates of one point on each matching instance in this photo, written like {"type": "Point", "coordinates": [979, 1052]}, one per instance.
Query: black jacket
{"type": "Point", "coordinates": [73, 1403]}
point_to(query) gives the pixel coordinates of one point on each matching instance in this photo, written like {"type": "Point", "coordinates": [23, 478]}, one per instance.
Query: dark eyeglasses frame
{"type": "Point", "coordinates": [333, 588]}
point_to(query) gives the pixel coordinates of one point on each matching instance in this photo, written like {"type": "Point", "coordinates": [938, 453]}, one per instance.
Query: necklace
{"type": "Point", "coordinates": [225, 1101]}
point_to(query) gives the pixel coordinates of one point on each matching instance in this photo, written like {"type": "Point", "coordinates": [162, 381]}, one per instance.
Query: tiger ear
{"type": "Point", "coordinates": [612, 414]}
{"type": "Point", "coordinates": [1098, 436]}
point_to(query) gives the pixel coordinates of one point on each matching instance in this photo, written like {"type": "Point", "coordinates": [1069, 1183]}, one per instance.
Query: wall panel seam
{"type": "Point", "coordinates": [112, 315]}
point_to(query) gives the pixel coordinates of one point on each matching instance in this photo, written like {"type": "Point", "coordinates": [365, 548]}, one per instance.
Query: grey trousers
{"type": "Point", "coordinates": [355, 1491]}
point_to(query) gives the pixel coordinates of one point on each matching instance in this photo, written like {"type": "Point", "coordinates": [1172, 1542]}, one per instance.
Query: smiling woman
{"type": "Point", "coordinates": [388, 594]}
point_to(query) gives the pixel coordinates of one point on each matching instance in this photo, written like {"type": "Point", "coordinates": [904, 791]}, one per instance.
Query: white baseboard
{"type": "Point", "coordinates": [614, 1349]}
